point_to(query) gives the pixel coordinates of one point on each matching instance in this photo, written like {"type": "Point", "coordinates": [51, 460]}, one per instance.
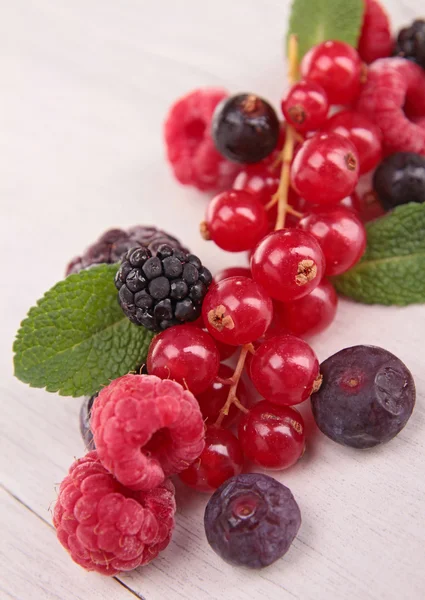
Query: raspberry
{"type": "Point", "coordinates": [376, 40]}
{"type": "Point", "coordinates": [393, 98]}
{"type": "Point", "coordinates": [114, 243]}
{"type": "Point", "coordinates": [190, 147]}
{"type": "Point", "coordinates": [145, 429]}
{"type": "Point", "coordinates": [107, 528]}
{"type": "Point", "coordinates": [163, 290]}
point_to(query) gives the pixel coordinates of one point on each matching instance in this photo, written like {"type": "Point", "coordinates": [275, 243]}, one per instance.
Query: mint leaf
{"type": "Point", "coordinates": [77, 339]}
{"type": "Point", "coordinates": [392, 271]}
{"type": "Point", "coordinates": [315, 21]}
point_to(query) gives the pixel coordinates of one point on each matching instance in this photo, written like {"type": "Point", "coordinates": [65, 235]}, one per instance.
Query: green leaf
{"type": "Point", "coordinates": [315, 21]}
{"type": "Point", "coordinates": [77, 339]}
{"type": "Point", "coordinates": [392, 270]}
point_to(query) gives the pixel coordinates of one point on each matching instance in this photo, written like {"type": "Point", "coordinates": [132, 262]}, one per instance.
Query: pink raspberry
{"type": "Point", "coordinates": [106, 527]}
{"type": "Point", "coordinates": [376, 40]}
{"type": "Point", "coordinates": [394, 99]}
{"type": "Point", "coordinates": [145, 429]}
{"type": "Point", "coordinates": [190, 147]}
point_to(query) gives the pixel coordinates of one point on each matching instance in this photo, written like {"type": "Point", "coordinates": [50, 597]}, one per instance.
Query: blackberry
{"type": "Point", "coordinates": [160, 291]}
{"type": "Point", "coordinates": [85, 414]}
{"type": "Point", "coordinates": [251, 520]}
{"type": "Point", "coordinates": [245, 128]}
{"type": "Point", "coordinates": [366, 397]}
{"type": "Point", "coordinates": [411, 42]}
{"type": "Point", "coordinates": [400, 179]}
{"type": "Point", "coordinates": [114, 243]}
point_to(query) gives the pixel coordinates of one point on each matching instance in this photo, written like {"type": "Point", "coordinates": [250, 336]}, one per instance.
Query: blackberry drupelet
{"type": "Point", "coordinates": [411, 42]}
{"type": "Point", "coordinates": [114, 243]}
{"type": "Point", "coordinates": [160, 291]}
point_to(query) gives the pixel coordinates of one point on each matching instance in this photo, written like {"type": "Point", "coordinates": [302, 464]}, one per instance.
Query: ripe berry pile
{"type": "Point", "coordinates": [288, 198]}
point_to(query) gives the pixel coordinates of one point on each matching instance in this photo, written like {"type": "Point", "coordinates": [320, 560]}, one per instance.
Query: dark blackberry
{"type": "Point", "coordinates": [114, 243]}
{"type": "Point", "coordinates": [85, 413]}
{"type": "Point", "coordinates": [366, 397]}
{"type": "Point", "coordinates": [251, 520]}
{"type": "Point", "coordinates": [400, 179]}
{"type": "Point", "coordinates": [411, 42]}
{"type": "Point", "coordinates": [245, 128]}
{"type": "Point", "coordinates": [163, 290]}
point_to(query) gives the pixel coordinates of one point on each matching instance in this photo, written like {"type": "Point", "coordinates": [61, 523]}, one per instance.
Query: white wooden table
{"type": "Point", "coordinates": [84, 87]}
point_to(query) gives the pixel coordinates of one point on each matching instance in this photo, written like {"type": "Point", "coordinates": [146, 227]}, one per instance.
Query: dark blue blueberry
{"type": "Point", "coordinates": [245, 128]}
{"type": "Point", "coordinates": [366, 397]}
{"type": "Point", "coordinates": [251, 520]}
{"type": "Point", "coordinates": [85, 414]}
{"type": "Point", "coordinates": [400, 179]}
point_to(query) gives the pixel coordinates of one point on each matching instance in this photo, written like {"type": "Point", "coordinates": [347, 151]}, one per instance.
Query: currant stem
{"type": "Point", "coordinates": [281, 196]}
{"type": "Point", "coordinates": [232, 398]}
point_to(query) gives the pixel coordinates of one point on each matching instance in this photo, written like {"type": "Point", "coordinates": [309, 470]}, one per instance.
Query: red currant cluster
{"type": "Point", "coordinates": [301, 174]}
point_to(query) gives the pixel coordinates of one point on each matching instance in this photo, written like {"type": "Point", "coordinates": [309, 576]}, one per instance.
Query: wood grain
{"type": "Point", "coordinates": [84, 90]}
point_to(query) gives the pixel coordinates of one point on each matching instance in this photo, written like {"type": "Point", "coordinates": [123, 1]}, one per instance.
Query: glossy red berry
{"type": "Point", "coordinates": [306, 106]}
{"type": "Point", "coordinates": [325, 169]}
{"type": "Point", "coordinates": [341, 235]}
{"type": "Point", "coordinates": [369, 207]}
{"type": "Point", "coordinates": [237, 311]}
{"type": "Point", "coordinates": [366, 137]}
{"type": "Point", "coordinates": [272, 436]}
{"type": "Point", "coordinates": [186, 354]}
{"type": "Point", "coordinates": [235, 221]}
{"type": "Point", "coordinates": [221, 458]}
{"type": "Point", "coordinates": [288, 264]}
{"type": "Point", "coordinates": [214, 398]}
{"type": "Point", "coordinates": [232, 272]}
{"type": "Point", "coordinates": [309, 315]}
{"type": "Point", "coordinates": [337, 67]}
{"type": "Point", "coordinates": [261, 180]}
{"type": "Point", "coordinates": [352, 202]}
{"type": "Point", "coordinates": [284, 370]}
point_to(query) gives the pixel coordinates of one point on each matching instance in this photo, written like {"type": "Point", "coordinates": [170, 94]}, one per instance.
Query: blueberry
{"type": "Point", "coordinates": [366, 397]}
{"type": "Point", "coordinates": [410, 42]}
{"type": "Point", "coordinates": [251, 520]}
{"type": "Point", "coordinates": [85, 413]}
{"type": "Point", "coordinates": [245, 128]}
{"type": "Point", "coordinates": [400, 179]}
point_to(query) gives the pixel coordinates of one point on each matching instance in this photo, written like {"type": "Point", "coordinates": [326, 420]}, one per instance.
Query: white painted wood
{"type": "Point", "coordinates": [83, 91]}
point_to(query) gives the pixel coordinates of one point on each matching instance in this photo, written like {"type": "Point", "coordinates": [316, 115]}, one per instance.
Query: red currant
{"type": "Point", "coordinates": [231, 213]}
{"type": "Point", "coordinates": [341, 235]}
{"type": "Point", "coordinates": [352, 202]}
{"type": "Point", "coordinates": [288, 265]}
{"type": "Point", "coordinates": [306, 106]}
{"type": "Point", "coordinates": [272, 436]}
{"type": "Point", "coordinates": [214, 398]}
{"type": "Point", "coordinates": [309, 315]}
{"type": "Point", "coordinates": [261, 180]}
{"type": "Point", "coordinates": [366, 137]}
{"type": "Point", "coordinates": [325, 169]}
{"type": "Point", "coordinates": [370, 207]}
{"type": "Point", "coordinates": [284, 370]}
{"type": "Point", "coordinates": [186, 354]}
{"type": "Point", "coordinates": [231, 272]}
{"type": "Point", "coordinates": [337, 67]}
{"type": "Point", "coordinates": [237, 311]}
{"type": "Point", "coordinates": [221, 459]}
